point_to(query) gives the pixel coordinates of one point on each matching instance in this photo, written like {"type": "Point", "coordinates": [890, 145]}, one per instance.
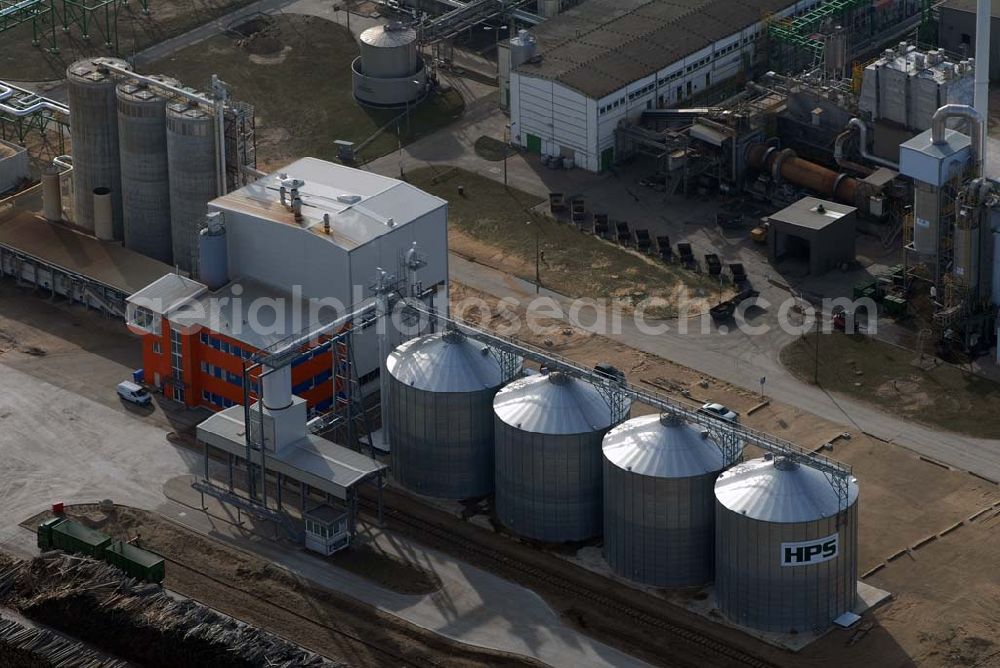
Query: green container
{"type": "Point", "coordinates": [70, 536]}
{"type": "Point", "coordinates": [135, 561]}
{"type": "Point", "coordinates": [866, 289]}
{"type": "Point", "coordinates": [45, 533]}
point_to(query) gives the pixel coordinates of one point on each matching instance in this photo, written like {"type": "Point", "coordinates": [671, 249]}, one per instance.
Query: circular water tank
{"type": "Point", "coordinates": [786, 551]}
{"type": "Point", "coordinates": [142, 142]}
{"type": "Point", "coordinates": [389, 51]}
{"type": "Point", "coordinates": [659, 501]}
{"type": "Point", "coordinates": [441, 389]}
{"type": "Point", "coordinates": [93, 123]}
{"type": "Point", "coordinates": [548, 457]}
{"type": "Point", "coordinates": [193, 176]}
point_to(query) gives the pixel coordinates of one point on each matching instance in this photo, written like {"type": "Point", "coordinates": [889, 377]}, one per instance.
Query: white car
{"type": "Point", "coordinates": [134, 393]}
{"type": "Point", "coordinates": [720, 411]}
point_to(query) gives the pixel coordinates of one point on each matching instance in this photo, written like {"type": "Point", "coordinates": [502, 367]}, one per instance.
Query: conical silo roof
{"type": "Point", "coordinates": [662, 447]}
{"type": "Point", "coordinates": [445, 362]}
{"type": "Point", "coordinates": [552, 403]}
{"type": "Point", "coordinates": [780, 490]}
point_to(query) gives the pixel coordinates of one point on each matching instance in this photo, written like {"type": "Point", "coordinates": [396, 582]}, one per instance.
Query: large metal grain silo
{"type": "Point", "coordinates": [142, 142]}
{"type": "Point", "coordinates": [548, 457]}
{"type": "Point", "coordinates": [93, 124]}
{"type": "Point", "coordinates": [659, 501]}
{"type": "Point", "coordinates": [441, 389]}
{"type": "Point", "coordinates": [191, 161]}
{"type": "Point", "coordinates": [786, 551]}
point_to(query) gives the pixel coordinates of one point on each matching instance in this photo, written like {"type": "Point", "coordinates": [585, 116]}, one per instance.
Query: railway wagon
{"type": "Point", "coordinates": [135, 561]}
{"type": "Point", "coordinates": [61, 534]}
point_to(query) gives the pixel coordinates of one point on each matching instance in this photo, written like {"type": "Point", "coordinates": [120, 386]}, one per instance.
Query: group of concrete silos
{"type": "Point", "coordinates": [673, 512]}
{"type": "Point", "coordinates": [144, 162]}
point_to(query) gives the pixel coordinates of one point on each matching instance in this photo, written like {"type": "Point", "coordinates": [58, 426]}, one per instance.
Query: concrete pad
{"type": "Point", "coordinates": [703, 603]}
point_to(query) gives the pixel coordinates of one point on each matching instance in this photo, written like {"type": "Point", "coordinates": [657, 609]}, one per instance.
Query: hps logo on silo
{"type": "Point", "coordinates": [810, 552]}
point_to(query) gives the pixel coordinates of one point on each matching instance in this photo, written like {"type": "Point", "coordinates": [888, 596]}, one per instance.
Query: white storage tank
{"type": "Point", "coordinates": [93, 125]}
{"type": "Point", "coordinates": [786, 551]}
{"type": "Point", "coordinates": [659, 501]}
{"type": "Point", "coordinates": [389, 72]}
{"type": "Point", "coordinates": [142, 141]}
{"type": "Point", "coordinates": [441, 389]}
{"type": "Point", "coordinates": [389, 51]}
{"type": "Point", "coordinates": [549, 429]}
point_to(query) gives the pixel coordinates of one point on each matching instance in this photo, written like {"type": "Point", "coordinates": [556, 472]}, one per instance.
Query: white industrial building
{"type": "Point", "coordinates": [281, 256]}
{"type": "Point", "coordinates": [604, 61]}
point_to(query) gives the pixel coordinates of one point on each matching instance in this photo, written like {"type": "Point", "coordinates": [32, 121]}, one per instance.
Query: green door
{"type": "Point", "coordinates": [534, 144]}
{"type": "Point", "coordinates": [607, 158]}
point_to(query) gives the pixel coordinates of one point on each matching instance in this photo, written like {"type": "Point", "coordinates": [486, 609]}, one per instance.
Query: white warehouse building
{"type": "Point", "coordinates": [607, 60]}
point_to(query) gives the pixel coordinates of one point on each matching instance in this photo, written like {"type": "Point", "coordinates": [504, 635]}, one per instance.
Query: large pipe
{"type": "Point", "coordinates": [984, 15]}
{"type": "Point", "coordinates": [977, 128]}
{"type": "Point", "coordinates": [789, 167]}
{"type": "Point", "coordinates": [863, 145]}
{"type": "Point", "coordinates": [7, 90]}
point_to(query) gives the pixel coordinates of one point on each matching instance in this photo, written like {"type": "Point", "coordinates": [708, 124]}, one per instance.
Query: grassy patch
{"type": "Point", "coordinates": [20, 61]}
{"type": "Point", "coordinates": [488, 223]}
{"type": "Point", "coordinates": [492, 149]}
{"type": "Point", "coordinates": [301, 90]}
{"type": "Point", "coordinates": [878, 373]}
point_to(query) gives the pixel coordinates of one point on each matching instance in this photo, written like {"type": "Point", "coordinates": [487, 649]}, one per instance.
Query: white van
{"type": "Point", "coordinates": [129, 391]}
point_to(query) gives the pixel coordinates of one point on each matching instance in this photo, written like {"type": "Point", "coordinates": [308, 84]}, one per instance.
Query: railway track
{"type": "Point", "coordinates": [393, 658]}
{"type": "Point", "coordinates": [550, 577]}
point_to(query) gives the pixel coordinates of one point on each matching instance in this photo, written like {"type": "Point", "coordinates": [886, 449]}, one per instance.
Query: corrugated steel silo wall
{"type": "Point", "coordinates": [752, 588]}
{"type": "Point", "coordinates": [442, 442]}
{"type": "Point", "coordinates": [549, 487]}
{"type": "Point", "coordinates": [659, 531]}
{"type": "Point", "coordinates": [93, 124]}
{"type": "Point", "coordinates": [192, 170]}
{"type": "Point", "coordinates": [142, 132]}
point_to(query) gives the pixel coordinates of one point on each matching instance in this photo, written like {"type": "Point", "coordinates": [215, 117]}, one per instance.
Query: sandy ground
{"type": "Point", "coordinates": [943, 612]}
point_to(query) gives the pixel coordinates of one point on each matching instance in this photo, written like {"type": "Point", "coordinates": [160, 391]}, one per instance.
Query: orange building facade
{"type": "Point", "coordinates": [199, 367]}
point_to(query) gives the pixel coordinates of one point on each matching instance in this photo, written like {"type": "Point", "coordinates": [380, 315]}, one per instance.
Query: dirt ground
{"type": "Point", "coordinates": [944, 611]}
{"type": "Point", "coordinates": [250, 588]}
{"type": "Point", "coordinates": [20, 61]}
{"type": "Point", "coordinates": [488, 223]}
{"type": "Point", "coordinates": [939, 395]}
{"type": "Point", "coordinates": [302, 114]}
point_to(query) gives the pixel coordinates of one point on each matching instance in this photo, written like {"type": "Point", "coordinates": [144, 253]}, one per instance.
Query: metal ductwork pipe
{"type": "Point", "coordinates": [103, 218]}
{"type": "Point", "coordinates": [977, 128]}
{"type": "Point", "coordinates": [862, 129]}
{"type": "Point", "coordinates": [51, 194]}
{"type": "Point", "coordinates": [789, 167]}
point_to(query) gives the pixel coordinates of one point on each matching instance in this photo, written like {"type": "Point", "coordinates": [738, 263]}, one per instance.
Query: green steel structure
{"type": "Point", "coordinates": [23, 113]}
{"type": "Point", "coordinates": [800, 32]}
{"type": "Point", "coordinates": [90, 16]}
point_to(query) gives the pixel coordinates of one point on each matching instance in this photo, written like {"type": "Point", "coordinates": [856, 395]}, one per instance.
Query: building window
{"type": "Point", "coordinates": [205, 396]}
{"type": "Point", "coordinates": [178, 394]}
{"type": "Point", "coordinates": [176, 355]}
{"type": "Point", "coordinates": [204, 338]}
{"type": "Point", "coordinates": [157, 347]}
{"type": "Point", "coordinates": [224, 346]}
